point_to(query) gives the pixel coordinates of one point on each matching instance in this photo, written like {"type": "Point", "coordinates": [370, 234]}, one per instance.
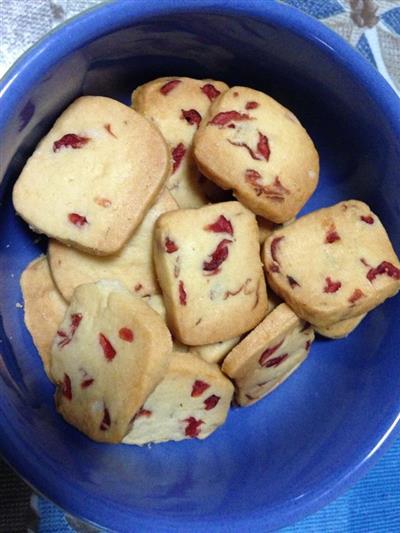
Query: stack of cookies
{"type": "Point", "coordinates": [154, 305]}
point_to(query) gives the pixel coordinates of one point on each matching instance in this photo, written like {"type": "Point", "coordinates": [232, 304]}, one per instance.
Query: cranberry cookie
{"type": "Point", "coordinates": [208, 266]}
{"type": "Point", "coordinates": [268, 355]}
{"type": "Point", "coordinates": [191, 401]}
{"type": "Point", "coordinates": [252, 144]}
{"type": "Point", "coordinates": [333, 264]}
{"type": "Point", "coordinates": [176, 106]}
{"type": "Point", "coordinates": [109, 354]}
{"type": "Point", "coordinates": [92, 178]}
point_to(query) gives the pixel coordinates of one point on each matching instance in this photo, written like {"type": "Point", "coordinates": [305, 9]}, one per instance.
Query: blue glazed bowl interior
{"type": "Point", "coordinates": [303, 444]}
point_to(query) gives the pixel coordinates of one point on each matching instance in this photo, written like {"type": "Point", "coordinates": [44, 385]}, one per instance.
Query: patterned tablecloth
{"type": "Point", "coordinates": [373, 28]}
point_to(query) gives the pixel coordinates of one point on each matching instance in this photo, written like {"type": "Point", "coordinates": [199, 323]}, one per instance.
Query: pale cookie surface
{"type": "Point", "coordinates": [268, 355]}
{"type": "Point", "coordinates": [212, 353]}
{"type": "Point", "coordinates": [133, 265]}
{"type": "Point", "coordinates": [333, 264]}
{"type": "Point", "coordinates": [215, 353]}
{"type": "Point", "coordinates": [253, 145]}
{"type": "Point", "coordinates": [110, 352]}
{"type": "Point", "coordinates": [208, 266]}
{"type": "Point", "coordinates": [176, 106]}
{"type": "Point", "coordinates": [44, 307]}
{"type": "Point", "coordinates": [340, 329]}
{"type": "Point", "coordinates": [192, 401]}
{"type": "Point", "coordinates": [93, 176]}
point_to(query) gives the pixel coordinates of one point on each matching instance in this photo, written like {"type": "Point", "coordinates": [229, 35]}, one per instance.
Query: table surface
{"type": "Point", "coordinates": [373, 28]}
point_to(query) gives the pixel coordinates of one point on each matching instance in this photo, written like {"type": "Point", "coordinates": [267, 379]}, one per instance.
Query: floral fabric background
{"type": "Point", "coordinates": [373, 28]}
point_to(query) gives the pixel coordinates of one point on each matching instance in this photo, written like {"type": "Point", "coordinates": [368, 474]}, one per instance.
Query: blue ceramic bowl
{"type": "Point", "coordinates": [308, 441]}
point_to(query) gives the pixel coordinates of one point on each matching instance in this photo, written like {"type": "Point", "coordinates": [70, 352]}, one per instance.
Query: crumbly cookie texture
{"type": "Point", "coordinates": [92, 178]}
{"type": "Point", "coordinates": [268, 355]}
{"type": "Point", "coordinates": [208, 266]}
{"type": "Point", "coordinates": [253, 145]}
{"type": "Point", "coordinates": [176, 106]}
{"type": "Point", "coordinates": [340, 329]}
{"type": "Point", "coordinates": [333, 264]}
{"type": "Point", "coordinates": [109, 354]}
{"type": "Point", "coordinates": [44, 307]}
{"type": "Point", "coordinates": [133, 265]}
{"type": "Point", "coordinates": [191, 401]}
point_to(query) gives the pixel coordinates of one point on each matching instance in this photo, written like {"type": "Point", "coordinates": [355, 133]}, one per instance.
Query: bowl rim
{"type": "Point", "coordinates": [115, 15]}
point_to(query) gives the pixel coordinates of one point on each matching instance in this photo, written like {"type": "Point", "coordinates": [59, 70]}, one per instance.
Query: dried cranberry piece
{"type": "Point", "coordinates": [368, 219]}
{"type": "Point", "coordinates": [211, 402]}
{"type": "Point", "coordinates": [224, 117]}
{"type": "Point", "coordinates": [221, 225]}
{"type": "Point", "coordinates": [66, 339]}
{"type": "Point", "coordinates": [182, 293]}
{"type": "Point", "coordinates": [357, 294]}
{"type": "Point", "coordinates": [274, 248]}
{"type": "Point", "coordinates": [126, 334]}
{"type": "Point", "coordinates": [331, 286]}
{"type": "Point", "coordinates": [218, 256]}
{"type": "Point", "coordinates": [276, 361]}
{"type": "Point", "coordinates": [332, 235]}
{"type": "Point", "coordinates": [192, 117]}
{"type": "Point", "coordinates": [143, 412]}
{"type": "Point", "coordinates": [307, 345]}
{"type": "Point", "coordinates": [78, 220]}
{"type": "Point", "coordinates": [178, 153]}
{"type": "Point", "coordinates": [103, 202]}
{"type": "Point", "coordinates": [86, 383]}
{"type": "Point", "coordinates": [198, 388]}
{"type": "Point", "coordinates": [274, 267]}
{"type": "Point", "coordinates": [106, 422]}
{"type": "Point", "coordinates": [252, 176]}
{"type": "Point", "coordinates": [275, 191]}
{"type": "Point", "coordinates": [244, 145]}
{"type": "Point", "coordinates": [252, 105]}
{"type": "Point", "coordinates": [75, 321]}
{"type": "Point", "coordinates": [263, 146]}
{"type": "Point", "coordinates": [167, 87]}
{"type": "Point", "coordinates": [210, 91]}
{"type": "Point", "coordinates": [192, 428]}
{"type": "Point", "coordinates": [66, 387]}
{"type": "Point", "coordinates": [108, 349]}
{"type": "Point", "coordinates": [107, 127]}
{"type": "Point", "coordinates": [383, 268]}
{"type": "Point", "coordinates": [170, 246]}
{"type": "Point", "coordinates": [70, 140]}
{"type": "Point", "coordinates": [138, 286]}
{"type": "Point", "coordinates": [268, 352]}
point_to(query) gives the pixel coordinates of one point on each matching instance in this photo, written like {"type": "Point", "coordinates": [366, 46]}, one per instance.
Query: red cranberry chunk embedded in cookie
{"type": "Point", "coordinates": [191, 401]}
{"type": "Point", "coordinates": [133, 265]}
{"type": "Point", "coordinates": [332, 265]}
{"type": "Point", "coordinates": [92, 178]}
{"type": "Point", "coordinates": [116, 354]}
{"type": "Point", "coordinates": [268, 355]}
{"type": "Point", "coordinates": [213, 284]}
{"type": "Point", "coordinates": [177, 107]}
{"type": "Point", "coordinates": [251, 144]}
